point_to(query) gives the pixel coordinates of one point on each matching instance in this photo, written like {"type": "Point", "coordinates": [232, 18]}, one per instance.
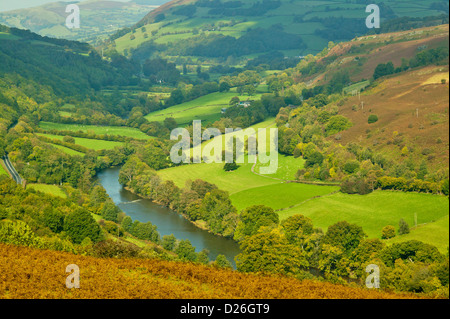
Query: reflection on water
{"type": "Point", "coordinates": [167, 221]}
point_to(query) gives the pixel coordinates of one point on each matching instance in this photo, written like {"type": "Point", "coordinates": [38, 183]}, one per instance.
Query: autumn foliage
{"type": "Point", "coordinates": [34, 273]}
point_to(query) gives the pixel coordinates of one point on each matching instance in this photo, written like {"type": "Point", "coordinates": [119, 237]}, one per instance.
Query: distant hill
{"type": "Point", "coordinates": [213, 28]}
{"type": "Point", "coordinates": [99, 18]}
{"type": "Point", "coordinates": [411, 103]}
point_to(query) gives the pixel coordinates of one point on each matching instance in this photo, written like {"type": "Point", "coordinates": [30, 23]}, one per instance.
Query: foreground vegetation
{"type": "Point", "coordinates": [112, 278]}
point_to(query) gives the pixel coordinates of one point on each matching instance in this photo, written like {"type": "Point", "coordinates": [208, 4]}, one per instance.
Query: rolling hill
{"type": "Point", "coordinates": [411, 105]}
{"type": "Point", "coordinates": [99, 18]}
{"type": "Point", "coordinates": [193, 28]}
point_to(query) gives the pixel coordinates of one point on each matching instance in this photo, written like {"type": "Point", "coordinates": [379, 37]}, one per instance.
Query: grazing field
{"type": "Point", "coordinates": [373, 211]}
{"type": "Point", "coordinates": [110, 130]}
{"type": "Point", "coordinates": [287, 167]}
{"type": "Point", "coordinates": [314, 15]}
{"type": "Point", "coordinates": [280, 195]}
{"type": "Point", "coordinates": [233, 182]}
{"type": "Point", "coordinates": [206, 108]}
{"type": "Point", "coordinates": [48, 189]}
{"type": "Point", "coordinates": [2, 170]}
{"type": "Point", "coordinates": [435, 233]}
{"type": "Point", "coordinates": [68, 151]}
{"type": "Point", "coordinates": [88, 143]}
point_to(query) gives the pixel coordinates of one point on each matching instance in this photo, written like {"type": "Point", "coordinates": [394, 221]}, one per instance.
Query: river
{"type": "Point", "coordinates": [167, 221]}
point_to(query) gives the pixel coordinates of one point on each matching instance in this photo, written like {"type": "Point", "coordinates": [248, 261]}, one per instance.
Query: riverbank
{"type": "Point", "coordinates": [166, 220]}
{"type": "Point", "coordinates": [201, 224]}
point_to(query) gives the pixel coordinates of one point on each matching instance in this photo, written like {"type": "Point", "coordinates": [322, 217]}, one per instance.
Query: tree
{"type": "Point", "coordinates": [296, 228]}
{"type": "Point", "coordinates": [110, 211]}
{"type": "Point", "coordinates": [222, 262]}
{"type": "Point", "coordinates": [313, 159]}
{"type": "Point", "coordinates": [224, 86]}
{"type": "Point", "coordinates": [383, 69]}
{"type": "Point", "coordinates": [337, 124]}
{"type": "Point", "coordinates": [186, 251]}
{"type": "Point", "coordinates": [270, 252]}
{"type": "Point", "coordinates": [126, 223]}
{"type": "Point", "coordinates": [54, 220]}
{"type": "Point", "coordinates": [202, 187]}
{"type": "Point", "coordinates": [202, 257]}
{"type": "Point", "coordinates": [169, 242]}
{"type": "Point", "coordinates": [80, 224]}
{"type": "Point", "coordinates": [388, 232]}
{"type": "Point", "coordinates": [344, 235]}
{"type": "Point", "coordinates": [253, 218]}
{"type": "Point", "coordinates": [403, 227]}
{"type": "Point", "coordinates": [170, 123]}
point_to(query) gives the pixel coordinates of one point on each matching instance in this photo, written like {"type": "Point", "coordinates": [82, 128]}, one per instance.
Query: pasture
{"type": "Point", "coordinates": [206, 108]}
{"type": "Point", "coordinates": [373, 211]}
{"type": "Point", "coordinates": [88, 143]}
{"type": "Point", "coordinates": [48, 189]}
{"type": "Point", "coordinates": [99, 130]}
{"type": "Point", "coordinates": [68, 151]}
{"type": "Point", "coordinates": [435, 233]}
{"type": "Point", "coordinates": [279, 195]}
{"type": "Point", "coordinates": [2, 169]}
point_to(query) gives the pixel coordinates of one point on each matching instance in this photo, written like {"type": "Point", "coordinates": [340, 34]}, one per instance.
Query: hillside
{"type": "Point", "coordinates": [99, 18]}
{"type": "Point", "coordinates": [295, 28]}
{"type": "Point", "coordinates": [411, 102]}
{"type": "Point", "coordinates": [102, 278]}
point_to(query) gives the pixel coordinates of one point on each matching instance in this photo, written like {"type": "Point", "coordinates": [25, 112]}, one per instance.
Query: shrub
{"type": "Point", "coordinates": [403, 227]}
{"type": "Point", "coordinates": [355, 186]}
{"type": "Point", "coordinates": [115, 249]}
{"type": "Point", "coordinates": [372, 118]}
{"type": "Point", "coordinates": [351, 167]}
{"type": "Point", "coordinates": [388, 232]}
{"type": "Point", "coordinates": [230, 167]}
{"type": "Point", "coordinates": [68, 139]}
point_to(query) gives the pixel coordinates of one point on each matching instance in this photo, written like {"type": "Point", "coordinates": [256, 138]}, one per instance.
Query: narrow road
{"type": "Point", "coordinates": [12, 170]}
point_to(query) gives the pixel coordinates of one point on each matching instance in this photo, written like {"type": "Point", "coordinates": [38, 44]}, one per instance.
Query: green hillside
{"type": "Point", "coordinates": [308, 25]}
{"type": "Point", "coordinates": [99, 18]}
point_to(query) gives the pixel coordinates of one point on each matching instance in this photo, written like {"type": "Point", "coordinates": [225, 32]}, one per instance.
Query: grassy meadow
{"type": "Point", "coordinates": [48, 189]}
{"type": "Point", "coordinates": [2, 170]}
{"type": "Point", "coordinates": [206, 108]}
{"type": "Point", "coordinates": [279, 195]}
{"type": "Point", "coordinates": [435, 233]}
{"type": "Point", "coordinates": [88, 143]}
{"type": "Point", "coordinates": [373, 211]}
{"type": "Point", "coordinates": [110, 130]}
{"type": "Point", "coordinates": [68, 151]}
{"type": "Point", "coordinates": [175, 29]}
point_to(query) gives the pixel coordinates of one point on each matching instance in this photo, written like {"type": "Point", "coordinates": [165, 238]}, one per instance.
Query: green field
{"type": "Point", "coordinates": [356, 87]}
{"type": "Point", "coordinates": [206, 108]}
{"type": "Point", "coordinates": [88, 143]}
{"type": "Point", "coordinates": [287, 167]}
{"type": "Point", "coordinates": [373, 211]}
{"type": "Point", "coordinates": [279, 195]}
{"type": "Point", "coordinates": [176, 28]}
{"type": "Point", "coordinates": [233, 182]}
{"type": "Point", "coordinates": [68, 151]}
{"type": "Point", "coordinates": [99, 130]}
{"type": "Point", "coordinates": [48, 189]}
{"type": "Point", "coordinates": [434, 233]}
{"type": "Point", "coordinates": [2, 170]}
